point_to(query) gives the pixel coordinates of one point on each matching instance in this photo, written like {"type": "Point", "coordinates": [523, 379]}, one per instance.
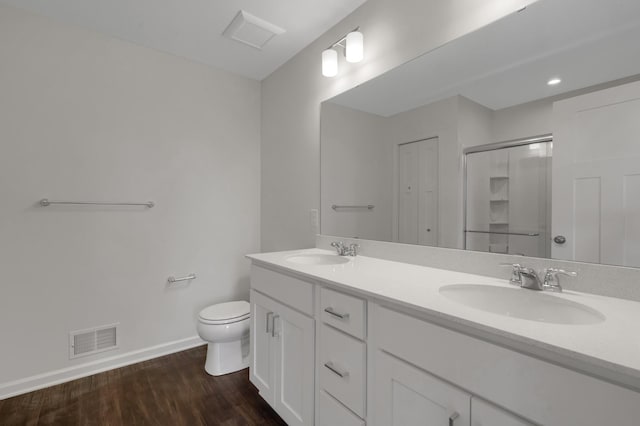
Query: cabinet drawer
{"type": "Point", "coordinates": [332, 413]}
{"type": "Point", "coordinates": [343, 368]}
{"type": "Point", "coordinates": [291, 291]}
{"type": "Point", "coordinates": [344, 312]}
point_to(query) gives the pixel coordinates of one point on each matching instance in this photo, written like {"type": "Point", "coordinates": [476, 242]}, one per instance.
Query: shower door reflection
{"type": "Point", "coordinates": [508, 198]}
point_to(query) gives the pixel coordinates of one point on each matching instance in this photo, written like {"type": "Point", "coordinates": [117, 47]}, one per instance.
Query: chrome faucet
{"type": "Point", "coordinates": [551, 280]}
{"type": "Point", "coordinates": [344, 250]}
{"type": "Point", "coordinates": [528, 278]}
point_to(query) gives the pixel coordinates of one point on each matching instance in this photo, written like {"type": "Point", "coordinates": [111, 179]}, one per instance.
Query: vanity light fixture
{"type": "Point", "coordinates": [330, 63]}
{"type": "Point", "coordinates": [554, 81]}
{"type": "Point", "coordinates": [353, 45]}
{"type": "Point", "coordinates": [354, 51]}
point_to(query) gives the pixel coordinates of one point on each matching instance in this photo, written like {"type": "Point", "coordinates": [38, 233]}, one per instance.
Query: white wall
{"type": "Point", "coordinates": [357, 169]}
{"type": "Point", "coordinates": [522, 121]}
{"type": "Point", "coordinates": [86, 117]}
{"type": "Point", "coordinates": [475, 123]}
{"type": "Point", "coordinates": [395, 32]}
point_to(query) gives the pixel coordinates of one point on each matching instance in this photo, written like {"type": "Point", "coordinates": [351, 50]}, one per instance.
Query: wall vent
{"type": "Point", "coordinates": [93, 340]}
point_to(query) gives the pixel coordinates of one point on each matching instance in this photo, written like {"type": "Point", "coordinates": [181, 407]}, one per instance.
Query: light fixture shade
{"type": "Point", "coordinates": [355, 46]}
{"type": "Point", "coordinates": [329, 63]}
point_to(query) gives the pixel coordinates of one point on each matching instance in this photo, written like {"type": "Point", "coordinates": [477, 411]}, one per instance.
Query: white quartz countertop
{"type": "Point", "coordinates": [609, 350]}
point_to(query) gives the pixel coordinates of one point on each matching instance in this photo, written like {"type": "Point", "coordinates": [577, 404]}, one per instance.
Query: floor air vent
{"type": "Point", "coordinates": [92, 341]}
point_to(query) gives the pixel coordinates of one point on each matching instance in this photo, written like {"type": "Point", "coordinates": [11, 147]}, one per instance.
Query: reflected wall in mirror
{"type": "Point", "coordinates": [417, 154]}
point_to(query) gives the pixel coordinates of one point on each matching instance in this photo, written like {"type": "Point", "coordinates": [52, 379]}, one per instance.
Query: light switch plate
{"type": "Point", "coordinates": [314, 221]}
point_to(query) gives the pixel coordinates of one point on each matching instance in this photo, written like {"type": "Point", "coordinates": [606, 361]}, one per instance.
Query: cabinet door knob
{"type": "Point", "coordinates": [331, 311]}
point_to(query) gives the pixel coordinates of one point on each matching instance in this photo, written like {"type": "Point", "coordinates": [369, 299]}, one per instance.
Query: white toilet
{"type": "Point", "coordinates": [226, 327]}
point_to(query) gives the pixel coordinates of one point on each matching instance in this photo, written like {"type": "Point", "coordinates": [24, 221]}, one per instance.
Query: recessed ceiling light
{"type": "Point", "coordinates": [554, 81]}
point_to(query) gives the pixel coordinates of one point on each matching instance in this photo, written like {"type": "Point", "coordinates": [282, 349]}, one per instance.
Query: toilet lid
{"type": "Point", "coordinates": [226, 311]}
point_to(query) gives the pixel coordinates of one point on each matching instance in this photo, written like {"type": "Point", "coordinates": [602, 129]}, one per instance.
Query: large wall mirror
{"type": "Point", "coordinates": [522, 138]}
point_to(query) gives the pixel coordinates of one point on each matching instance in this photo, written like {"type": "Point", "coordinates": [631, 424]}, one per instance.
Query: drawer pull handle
{"type": "Point", "coordinates": [453, 417]}
{"type": "Point", "coordinates": [273, 325]}
{"type": "Point", "coordinates": [341, 374]}
{"type": "Point", "coordinates": [269, 315]}
{"type": "Point", "coordinates": [330, 311]}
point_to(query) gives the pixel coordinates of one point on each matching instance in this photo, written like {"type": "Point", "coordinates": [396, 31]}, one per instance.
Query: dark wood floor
{"type": "Point", "coordinates": [172, 390]}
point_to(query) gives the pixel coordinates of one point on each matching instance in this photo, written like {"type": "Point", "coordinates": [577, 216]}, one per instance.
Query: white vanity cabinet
{"type": "Point", "coordinates": [324, 356]}
{"type": "Point", "coordinates": [534, 390]}
{"type": "Point", "coordinates": [282, 348]}
{"type": "Point", "coordinates": [406, 395]}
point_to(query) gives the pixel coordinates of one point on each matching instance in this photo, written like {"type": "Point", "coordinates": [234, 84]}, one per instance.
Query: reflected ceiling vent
{"type": "Point", "coordinates": [251, 30]}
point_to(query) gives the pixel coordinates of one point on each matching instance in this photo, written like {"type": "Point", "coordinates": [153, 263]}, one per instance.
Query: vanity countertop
{"type": "Point", "coordinates": [609, 350]}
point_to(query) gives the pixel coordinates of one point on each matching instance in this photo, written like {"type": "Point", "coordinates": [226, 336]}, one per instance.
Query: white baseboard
{"type": "Point", "coordinates": [55, 377]}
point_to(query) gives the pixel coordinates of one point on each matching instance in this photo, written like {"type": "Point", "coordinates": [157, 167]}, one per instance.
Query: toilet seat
{"type": "Point", "coordinates": [225, 313]}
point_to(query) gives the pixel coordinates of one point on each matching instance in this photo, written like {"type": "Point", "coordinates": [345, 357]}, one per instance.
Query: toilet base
{"type": "Point", "coordinates": [227, 357]}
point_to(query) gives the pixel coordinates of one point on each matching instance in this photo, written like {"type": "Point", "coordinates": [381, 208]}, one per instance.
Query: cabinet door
{"type": "Point", "coordinates": [295, 355]}
{"type": "Point", "coordinates": [263, 362]}
{"type": "Point", "coordinates": [485, 414]}
{"type": "Point", "coordinates": [406, 396]}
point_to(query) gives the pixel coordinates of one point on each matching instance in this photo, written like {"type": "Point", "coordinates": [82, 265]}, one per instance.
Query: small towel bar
{"type": "Point", "coordinates": [368, 207]}
{"type": "Point", "coordinates": [46, 202]}
{"type": "Point", "coordinates": [173, 280]}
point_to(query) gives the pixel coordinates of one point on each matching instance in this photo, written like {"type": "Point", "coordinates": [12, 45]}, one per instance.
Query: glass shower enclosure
{"type": "Point", "coordinates": [507, 206]}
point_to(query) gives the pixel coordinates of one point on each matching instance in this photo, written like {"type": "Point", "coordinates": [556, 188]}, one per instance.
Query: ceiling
{"type": "Point", "coordinates": [507, 63]}
{"type": "Point", "coordinates": [193, 28]}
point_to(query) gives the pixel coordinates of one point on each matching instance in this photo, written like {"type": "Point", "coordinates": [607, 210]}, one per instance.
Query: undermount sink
{"type": "Point", "coordinates": [521, 303]}
{"type": "Point", "coordinates": [317, 259]}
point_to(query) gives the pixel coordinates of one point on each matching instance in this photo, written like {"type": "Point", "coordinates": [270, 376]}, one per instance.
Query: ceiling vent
{"type": "Point", "coordinates": [251, 30]}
